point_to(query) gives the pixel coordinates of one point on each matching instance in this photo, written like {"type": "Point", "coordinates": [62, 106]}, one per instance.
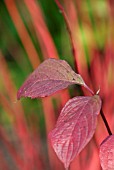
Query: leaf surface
{"type": "Point", "coordinates": [75, 127]}
{"type": "Point", "coordinates": [107, 153]}
{"type": "Point", "coordinates": [52, 75]}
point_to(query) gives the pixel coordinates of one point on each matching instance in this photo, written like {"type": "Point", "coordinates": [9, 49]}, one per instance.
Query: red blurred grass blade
{"type": "Point", "coordinates": [4, 164]}
{"type": "Point", "coordinates": [20, 125]}
{"type": "Point", "coordinates": [16, 157]}
{"type": "Point", "coordinates": [44, 37]}
{"type": "Point", "coordinates": [23, 34]}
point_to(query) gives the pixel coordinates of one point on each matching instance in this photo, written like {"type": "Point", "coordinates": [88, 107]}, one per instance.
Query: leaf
{"type": "Point", "coordinates": [75, 127]}
{"type": "Point", "coordinates": [52, 75]}
{"type": "Point", "coordinates": [107, 153]}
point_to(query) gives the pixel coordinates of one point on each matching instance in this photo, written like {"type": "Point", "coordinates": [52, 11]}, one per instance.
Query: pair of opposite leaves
{"type": "Point", "coordinates": [77, 121]}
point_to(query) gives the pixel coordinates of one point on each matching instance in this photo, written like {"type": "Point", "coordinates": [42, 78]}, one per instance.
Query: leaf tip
{"type": "Point", "coordinates": [20, 93]}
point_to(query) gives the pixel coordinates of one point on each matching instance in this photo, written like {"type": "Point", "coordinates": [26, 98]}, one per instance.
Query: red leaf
{"type": "Point", "coordinates": [107, 153]}
{"type": "Point", "coordinates": [52, 75]}
{"type": "Point", "coordinates": [75, 127]}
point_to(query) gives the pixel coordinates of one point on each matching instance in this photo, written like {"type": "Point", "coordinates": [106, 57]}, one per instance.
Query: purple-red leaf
{"type": "Point", "coordinates": [107, 153]}
{"type": "Point", "coordinates": [75, 127]}
{"type": "Point", "coordinates": [52, 75]}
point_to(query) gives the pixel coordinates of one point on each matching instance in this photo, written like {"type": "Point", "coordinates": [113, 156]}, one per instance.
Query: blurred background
{"type": "Point", "coordinates": [30, 32]}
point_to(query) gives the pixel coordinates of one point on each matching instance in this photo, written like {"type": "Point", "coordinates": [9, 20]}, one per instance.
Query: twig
{"type": "Point", "coordinates": [69, 32]}
{"type": "Point", "coordinates": [105, 122]}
